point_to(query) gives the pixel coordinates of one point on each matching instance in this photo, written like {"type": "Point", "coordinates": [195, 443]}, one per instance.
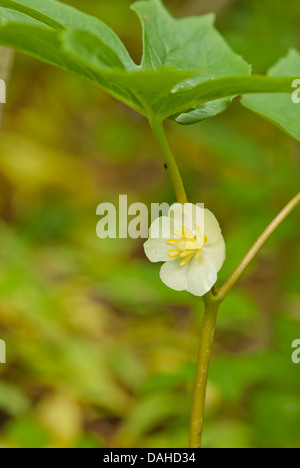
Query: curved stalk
{"type": "Point", "coordinates": [213, 299]}
{"type": "Point", "coordinates": [160, 136]}
{"type": "Point", "coordinates": [212, 303]}
{"type": "Point", "coordinates": [257, 246]}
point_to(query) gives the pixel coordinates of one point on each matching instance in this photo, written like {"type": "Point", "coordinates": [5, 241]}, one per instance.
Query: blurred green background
{"type": "Point", "coordinates": [99, 352]}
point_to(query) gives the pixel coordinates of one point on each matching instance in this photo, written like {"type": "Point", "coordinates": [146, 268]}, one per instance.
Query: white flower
{"type": "Point", "coordinates": [190, 242]}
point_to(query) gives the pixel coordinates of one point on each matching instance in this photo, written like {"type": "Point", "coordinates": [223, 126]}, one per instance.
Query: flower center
{"type": "Point", "coordinates": [187, 245]}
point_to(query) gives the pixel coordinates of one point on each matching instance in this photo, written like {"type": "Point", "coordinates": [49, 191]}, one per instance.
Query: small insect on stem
{"type": "Point", "coordinates": [166, 166]}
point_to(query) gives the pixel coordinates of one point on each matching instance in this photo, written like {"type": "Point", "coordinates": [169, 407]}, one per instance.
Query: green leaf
{"type": "Point", "coordinates": [279, 108]}
{"type": "Point", "coordinates": [84, 44]}
{"type": "Point", "coordinates": [187, 72]}
{"type": "Point", "coordinates": [61, 16]}
{"type": "Point", "coordinates": [28, 30]}
{"type": "Point", "coordinates": [30, 12]}
{"type": "Point", "coordinates": [203, 112]}
{"type": "Point", "coordinates": [171, 48]}
{"type": "Point", "coordinates": [40, 42]}
{"type": "Point", "coordinates": [187, 44]}
{"type": "Point", "coordinates": [222, 88]}
{"type": "Point", "coordinates": [157, 91]}
{"type": "Point", "coordinates": [143, 88]}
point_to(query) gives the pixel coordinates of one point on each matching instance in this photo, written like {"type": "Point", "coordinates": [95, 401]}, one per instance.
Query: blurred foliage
{"type": "Point", "coordinates": [99, 352]}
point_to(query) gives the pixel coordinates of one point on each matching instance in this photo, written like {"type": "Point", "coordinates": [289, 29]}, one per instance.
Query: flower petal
{"type": "Point", "coordinates": [188, 215]}
{"type": "Point", "coordinates": [176, 217]}
{"type": "Point", "coordinates": [177, 209]}
{"type": "Point", "coordinates": [212, 228]}
{"type": "Point", "coordinates": [160, 228]}
{"type": "Point", "coordinates": [157, 250]}
{"type": "Point", "coordinates": [216, 252]}
{"type": "Point", "coordinates": [174, 275]}
{"type": "Point", "coordinates": [202, 275]}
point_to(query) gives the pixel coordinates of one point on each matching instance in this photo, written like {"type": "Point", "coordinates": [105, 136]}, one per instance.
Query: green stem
{"type": "Point", "coordinates": [257, 246]}
{"type": "Point", "coordinates": [204, 357]}
{"type": "Point", "coordinates": [160, 136]}
{"type": "Point", "coordinates": [212, 90]}
{"type": "Point", "coordinates": [212, 302]}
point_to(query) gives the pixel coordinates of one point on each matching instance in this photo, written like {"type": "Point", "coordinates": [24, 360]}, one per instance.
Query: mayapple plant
{"type": "Point", "coordinates": [188, 74]}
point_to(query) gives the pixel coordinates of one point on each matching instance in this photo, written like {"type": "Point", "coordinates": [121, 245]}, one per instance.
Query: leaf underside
{"type": "Point", "coordinates": [187, 72]}
{"type": "Point", "coordinates": [279, 108]}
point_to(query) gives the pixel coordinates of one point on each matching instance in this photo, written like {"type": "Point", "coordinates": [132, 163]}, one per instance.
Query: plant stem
{"type": "Point", "coordinates": [160, 136]}
{"type": "Point", "coordinates": [212, 300]}
{"type": "Point", "coordinates": [204, 357]}
{"type": "Point", "coordinates": [257, 247]}
{"type": "Point", "coordinates": [212, 303]}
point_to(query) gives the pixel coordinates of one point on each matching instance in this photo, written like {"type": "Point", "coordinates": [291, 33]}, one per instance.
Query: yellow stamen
{"type": "Point", "coordinates": [187, 232]}
{"type": "Point", "coordinates": [178, 234]}
{"type": "Point", "coordinates": [188, 245]}
{"type": "Point", "coordinates": [186, 260]}
{"type": "Point", "coordinates": [198, 230]}
{"type": "Point", "coordinates": [172, 242]}
{"type": "Point", "coordinates": [173, 253]}
{"type": "Point", "coordinates": [186, 253]}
